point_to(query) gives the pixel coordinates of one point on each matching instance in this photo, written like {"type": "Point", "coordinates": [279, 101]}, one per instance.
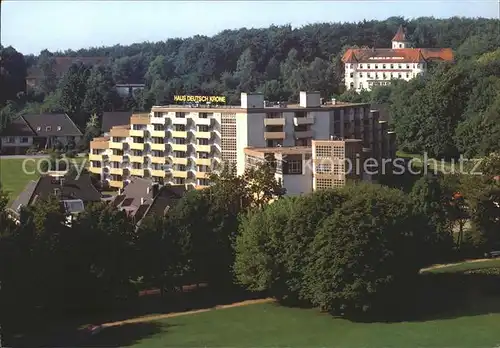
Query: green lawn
{"type": "Point", "coordinates": [467, 266]}
{"type": "Point", "coordinates": [270, 325]}
{"type": "Point", "coordinates": [14, 178]}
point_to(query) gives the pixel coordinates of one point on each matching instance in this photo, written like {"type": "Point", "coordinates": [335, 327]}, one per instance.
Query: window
{"type": "Point", "coordinates": [294, 167]}
{"type": "Point", "coordinates": [400, 66]}
{"type": "Point", "coordinates": [202, 141]}
{"type": "Point", "coordinates": [203, 128]}
{"type": "Point", "coordinates": [348, 66]}
{"type": "Point", "coordinates": [360, 85]}
{"type": "Point", "coordinates": [59, 128]}
{"type": "Point", "coordinates": [180, 141]}
{"type": "Point", "coordinates": [180, 114]}
{"type": "Point", "coordinates": [383, 75]}
{"type": "Point", "coordinates": [407, 74]}
{"type": "Point", "coordinates": [369, 75]}
{"type": "Point", "coordinates": [24, 140]}
{"type": "Point", "coordinates": [376, 66]}
{"type": "Point", "coordinates": [201, 154]}
{"type": "Point", "coordinates": [407, 66]}
{"type": "Point", "coordinates": [383, 66]}
{"type": "Point", "coordinates": [361, 66]}
{"type": "Point", "coordinates": [399, 75]}
{"type": "Point", "coordinates": [38, 129]}
{"type": "Point", "coordinates": [368, 66]}
{"type": "Point", "coordinates": [11, 140]}
{"type": "Point", "coordinates": [203, 182]}
{"type": "Point", "coordinates": [180, 128]}
{"type": "Point", "coordinates": [351, 75]}
{"type": "Point", "coordinates": [400, 45]}
{"type": "Point", "coordinates": [360, 74]}
{"type": "Point", "coordinates": [392, 66]}
{"type": "Point", "coordinates": [48, 128]}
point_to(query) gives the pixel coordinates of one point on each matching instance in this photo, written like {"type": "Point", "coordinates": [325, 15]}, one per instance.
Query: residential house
{"type": "Point", "coordinates": [43, 131]}
{"type": "Point", "coordinates": [61, 66]}
{"type": "Point", "coordinates": [73, 193]}
{"type": "Point", "coordinates": [142, 197]}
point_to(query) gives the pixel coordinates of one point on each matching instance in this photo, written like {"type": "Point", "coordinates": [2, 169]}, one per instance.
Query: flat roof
{"type": "Point", "coordinates": [237, 108]}
{"type": "Point", "coordinates": [289, 150]}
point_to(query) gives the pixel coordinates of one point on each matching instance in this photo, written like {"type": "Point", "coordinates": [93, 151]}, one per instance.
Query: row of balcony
{"type": "Point", "coordinates": [297, 121]}
{"type": "Point", "coordinates": [170, 133]}
{"type": "Point", "coordinates": [282, 135]}
{"type": "Point", "coordinates": [183, 120]}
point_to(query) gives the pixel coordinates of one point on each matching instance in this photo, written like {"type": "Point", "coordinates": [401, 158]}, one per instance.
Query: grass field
{"type": "Point", "coordinates": [466, 266]}
{"type": "Point", "coordinates": [14, 178]}
{"type": "Point", "coordinates": [270, 325]}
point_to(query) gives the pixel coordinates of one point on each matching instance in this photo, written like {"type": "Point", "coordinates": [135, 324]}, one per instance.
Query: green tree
{"type": "Point", "coordinates": [73, 90]}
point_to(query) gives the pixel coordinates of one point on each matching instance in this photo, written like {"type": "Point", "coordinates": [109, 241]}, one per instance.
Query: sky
{"type": "Point", "coordinates": [31, 26]}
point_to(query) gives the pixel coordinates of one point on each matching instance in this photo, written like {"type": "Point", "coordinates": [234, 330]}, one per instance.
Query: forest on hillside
{"type": "Point", "coordinates": [278, 61]}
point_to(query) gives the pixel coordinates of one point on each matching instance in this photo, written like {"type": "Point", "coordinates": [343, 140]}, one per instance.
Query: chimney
{"type": "Point", "coordinates": [142, 200]}
{"type": "Point", "coordinates": [331, 137]}
{"type": "Point", "coordinates": [148, 190]}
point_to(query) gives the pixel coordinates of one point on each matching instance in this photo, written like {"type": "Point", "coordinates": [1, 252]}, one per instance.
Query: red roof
{"type": "Point", "coordinates": [396, 56]}
{"type": "Point", "coordinates": [400, 35]}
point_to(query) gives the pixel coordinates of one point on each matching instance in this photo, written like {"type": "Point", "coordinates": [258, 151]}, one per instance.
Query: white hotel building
{"type": "Point", "coordinates": [182, 144]}
{"type": "Point", "coordinates": [368, 67]}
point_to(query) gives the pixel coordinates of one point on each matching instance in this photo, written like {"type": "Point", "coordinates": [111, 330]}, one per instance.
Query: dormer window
{"type": "Point", "coordinates": [58, 128]}
{"type": "Point", "coordinates": [48, 128]}
{"type": "Point", "coordinates": [38, 129]}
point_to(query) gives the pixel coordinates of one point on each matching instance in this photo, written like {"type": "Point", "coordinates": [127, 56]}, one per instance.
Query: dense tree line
{"type": "Point", "coordinates": [278, 61]}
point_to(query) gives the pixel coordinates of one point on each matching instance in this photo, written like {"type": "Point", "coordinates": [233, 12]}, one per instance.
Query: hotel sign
{"type": "Point", "coordinates": [200, 98]}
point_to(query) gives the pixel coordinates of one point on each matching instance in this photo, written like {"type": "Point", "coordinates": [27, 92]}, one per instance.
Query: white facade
{"type": "Point", "coordinates": [364, 76]}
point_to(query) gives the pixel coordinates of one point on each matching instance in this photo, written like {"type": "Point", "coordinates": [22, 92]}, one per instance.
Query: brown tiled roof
{"type": "Point", "coordinates": [63, 63]}
{"type": "Point", "coordinates": [402, 55]}
{"type": "Point", "coordinates": [400, 34]}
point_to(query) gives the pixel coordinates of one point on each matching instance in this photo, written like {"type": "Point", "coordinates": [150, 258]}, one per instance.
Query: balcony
{"type": "Point", "coordinates": [159, 147]}
{"type": "Point", "coordinates": [179, 160]}
{"type": "Point", "coordinates": [137, 133]}
{"type": "Point", "coordinates": [274, 135]}
{"type": "Point", "coordinates": [116, 145]}
{"type": "Point", "coordinates": [93, 157]}
{"type": "Point", "coordinates": [116, 184]}
{"type": "Point", "coordinates": [158, 160]}
{"type": "Point", "coordinates": [95, 170]}
{"type": "Point", "coordinates": [203, 148]}
{"type": "Point", "coordinates": [115, 158]}
{"type": "Point", "coordinates": [274, 121]}
{"type": "Point", "coordinates": [203, 121]}
{"type": "Point", "coordinates": [202, 175]}
{"type": "Point", "coordinates": [136, 159]}
{"type": "Point", "coordinates": [158, 133]}
{"type": "Point", "coordinates": [179, 120]}
{"type": "Point", "coordinates": [204, 135]}
{"type": "Point", "coordinates": [179, 134]}
{"type": "Point", "coordinates": [158, 173]}
{"type": "Point", "coordinates": [298, 121]}
{"type": "Point", "coordinates": [137, 146]}
{"type": "Point", "coordinates": [179, 147]}
{"type": "Point", "coordinates": [116, 171]}
{"type": "Point", "coordinates": [137, 172]}
{"type": "Point", "coordinates": [179, 174]}
{"type": "Point", "coordinates": [303, 134]}
{"type": "Point", "coordinates": [204, 161]}
{"type": "Point", "coordinates": [157, 120]}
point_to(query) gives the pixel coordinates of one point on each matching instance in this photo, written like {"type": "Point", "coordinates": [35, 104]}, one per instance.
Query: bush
{"type": "Point", "coordinates": [71, 153]}
{"type": "Point", "coordinates": [366, 253]}
{"type": "Point", "coordinates": [349, 251]}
